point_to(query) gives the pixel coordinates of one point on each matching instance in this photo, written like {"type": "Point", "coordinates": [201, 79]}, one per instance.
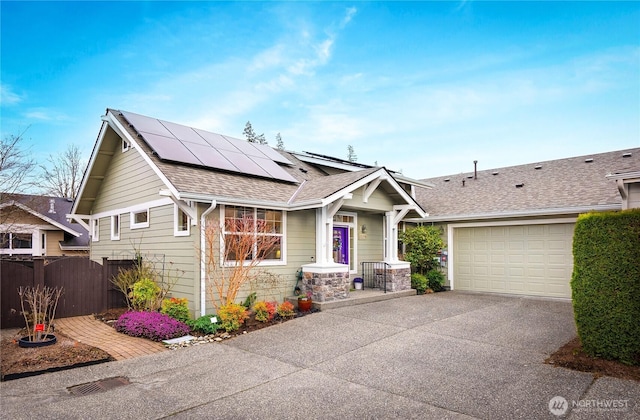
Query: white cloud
{"type": "Point", "coordinates": [349, 14]}
{"type": "Point", "coordinates": [46, 114]}
{"type": "Point", "coordinates": [8, 96]}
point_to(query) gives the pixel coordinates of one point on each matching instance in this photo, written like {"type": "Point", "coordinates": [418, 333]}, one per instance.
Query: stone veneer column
{"type": "Point", "coordinates": [327, 282]}
{"type": "Point", "coordinates": [398, 276]}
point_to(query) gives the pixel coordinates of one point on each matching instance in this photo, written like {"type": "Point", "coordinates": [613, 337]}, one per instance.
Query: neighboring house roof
{"type": "Point", "coordinates": [563, 186]}
{"type": "Point", "coordinates": [189, 181]}
{"type": "Point", "coordinates": [52, 210]}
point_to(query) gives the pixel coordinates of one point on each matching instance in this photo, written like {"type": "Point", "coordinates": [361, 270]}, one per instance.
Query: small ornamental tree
{"type": "Point", "coordinates": [422, 246]}
{"type": "Point", "coordinates": [42, 302]}
{"type": "Point", "coordinates": [233, 250]}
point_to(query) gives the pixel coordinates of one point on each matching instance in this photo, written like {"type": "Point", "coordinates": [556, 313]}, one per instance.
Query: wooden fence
{"type": "Point", "coordinates": [87, 287]}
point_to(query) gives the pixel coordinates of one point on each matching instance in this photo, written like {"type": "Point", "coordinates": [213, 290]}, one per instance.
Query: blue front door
{"type": "Point", "coordinates": [341, 245]}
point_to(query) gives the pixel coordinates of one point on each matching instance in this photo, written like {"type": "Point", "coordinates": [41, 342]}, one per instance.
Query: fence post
{"type": "Point", "coordinates": [106, 279]}
{"type": "Point", "coordinates": [38, 272]}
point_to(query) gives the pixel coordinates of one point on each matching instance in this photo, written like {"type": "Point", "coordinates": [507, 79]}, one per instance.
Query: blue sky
{"type": "Point", "coordinates": [421, 87]}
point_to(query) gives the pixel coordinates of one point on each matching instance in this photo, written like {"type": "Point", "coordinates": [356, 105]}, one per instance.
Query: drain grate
{"type": "Point", "coordinates": [98, 386]}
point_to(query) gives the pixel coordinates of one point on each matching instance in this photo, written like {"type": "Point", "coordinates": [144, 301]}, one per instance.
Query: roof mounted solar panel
{"type": "Point", "coordinates": [244, 164]}
{"type": "Point", "coordinates": [170, 149]}
{"type": "Point", "coordinates": [182, 144]}
{"type": "Point", "coordinates": [216, 140]}
{"type": "Point", "coordinates": [273, 169]}
{"type": "Point", "coordinates": [147, 124]}
{"type": "Point", "coordinates": [273, 154]}
{"type": "Point", "coordinates": [246, 147]}
{"type": "Point", "coordinates": [210, 157]}
{"type": "Point", "coordinates": [184, 133]}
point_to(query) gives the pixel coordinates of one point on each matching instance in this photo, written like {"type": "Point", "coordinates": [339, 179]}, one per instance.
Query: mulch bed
{"type": "Point", "coordinates": [571, 356]}
{"type": "Point", "coordinates": [17, 362]}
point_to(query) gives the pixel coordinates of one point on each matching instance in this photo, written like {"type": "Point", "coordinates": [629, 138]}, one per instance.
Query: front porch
{"type": "Point", "coordinates": [358, 297]}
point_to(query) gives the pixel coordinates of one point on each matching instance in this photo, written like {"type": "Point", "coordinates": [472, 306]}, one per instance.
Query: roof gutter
{"type": "Point", "coordinates": [524, 213]}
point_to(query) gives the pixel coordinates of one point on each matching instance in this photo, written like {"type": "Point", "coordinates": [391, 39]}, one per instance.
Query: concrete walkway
{"type": "Point", "coordinates": [443, 356]}
{"type": "Point", "coordinates": [88, 330]}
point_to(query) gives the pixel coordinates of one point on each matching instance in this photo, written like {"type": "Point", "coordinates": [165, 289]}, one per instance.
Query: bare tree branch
{"type": "Point", "coordinates": [62, 175]}
{"type": "Point", "coordinates": [16, 165]}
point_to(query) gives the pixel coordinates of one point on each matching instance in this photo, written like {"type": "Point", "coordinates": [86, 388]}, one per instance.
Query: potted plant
{"type": "Point", "coordinates": [42, 303]}
{"type": "Point", "coordinates": [305, 302]}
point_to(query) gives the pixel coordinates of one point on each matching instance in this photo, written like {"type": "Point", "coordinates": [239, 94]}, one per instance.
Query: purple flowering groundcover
{"type": "Point", "coordinates": [152, 325]}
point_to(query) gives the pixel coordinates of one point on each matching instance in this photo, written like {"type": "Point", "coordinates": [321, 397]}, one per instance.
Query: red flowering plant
{"type": "Point", "coordinates": [265, 311]}
{"type": "Point", "coordinates": [176, 308]}
{"type": "Point", "coordinates": [286, 310]}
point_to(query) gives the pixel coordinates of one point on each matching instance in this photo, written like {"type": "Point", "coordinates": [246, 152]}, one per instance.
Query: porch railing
{"type": "Point", "coordinates": [374, 275]}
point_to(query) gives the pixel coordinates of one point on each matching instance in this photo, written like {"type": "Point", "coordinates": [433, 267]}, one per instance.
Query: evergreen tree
{"type": "Point", "coordinates": [249, 133]}
{"type": "Point", "coordinates": [351, 154]}
{"type": "Point", "coordinates": [260, 139]}
{"type": "Point", "coordinates": [279, 142]}
{"type": "Point", "coordinates": [251, 136]}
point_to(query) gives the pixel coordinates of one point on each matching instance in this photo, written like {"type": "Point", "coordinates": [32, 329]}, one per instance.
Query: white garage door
{"type": "Point", "coordinates": [532, 260]}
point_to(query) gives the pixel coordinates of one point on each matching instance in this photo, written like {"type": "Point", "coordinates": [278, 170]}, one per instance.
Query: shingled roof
{"type": "Point", "coordinates": [312, 184]}
{"type": "Point", "coordinates": [568, 186]}
{"type": "Point", "coordinates": [51, 209]}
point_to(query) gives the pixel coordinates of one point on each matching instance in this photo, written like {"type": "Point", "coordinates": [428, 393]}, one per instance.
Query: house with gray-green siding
{"type": "Point", "coordinates": [153, 187]}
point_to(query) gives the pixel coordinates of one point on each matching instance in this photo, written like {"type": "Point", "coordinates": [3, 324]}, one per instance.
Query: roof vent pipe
{"type": "Point", "coordinates": [475, 169]}
{"type": "Point", "coordinates": [463, 182]}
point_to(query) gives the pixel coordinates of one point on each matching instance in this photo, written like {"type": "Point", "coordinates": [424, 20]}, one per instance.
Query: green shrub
{"type": "Point", "coordinates": [606, 284]}
{"type": "Point", "coordinates": [232, 316]}
{"type": "Point", "coordinates": [265, 311]}
{"type": "Point", "coordinates": [435, 280]}
{"type": "Point", "coordinates": [422, 244]}
{"type": "Point", "coordinates": [203, 325]}
{"type": "Point", "coordinates": [145, 295]}
{"type": "Point", "coordinates": [419, 282]}
{"type": "Point", "coordinates": [250, 300]}
{"type": "Point", "coordinates": [176, 308]}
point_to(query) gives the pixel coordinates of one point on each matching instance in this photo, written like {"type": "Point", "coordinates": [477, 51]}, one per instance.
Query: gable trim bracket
{"type": "Point", "coordinates": [182, 205]}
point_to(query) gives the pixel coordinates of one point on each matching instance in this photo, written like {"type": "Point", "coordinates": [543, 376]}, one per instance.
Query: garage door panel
{"type": "Point", "coordinates": [535, 259]}
{"type": "Point", "coordinates": [560, 259]}
{"type": "Point", "coordinates": [527, 259]}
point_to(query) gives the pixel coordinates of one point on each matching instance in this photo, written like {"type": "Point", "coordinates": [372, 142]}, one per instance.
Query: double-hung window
{"type": "Point", "coordinates": [253, 233]}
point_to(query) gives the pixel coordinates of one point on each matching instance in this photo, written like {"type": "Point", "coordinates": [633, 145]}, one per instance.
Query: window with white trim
{"type": "Point", "coordinates": [181, 222]}
{"type": "Point", "coordinates": [16, 243]}
{"type": "Point", "coordinates": [140, 219]}
{"type": "Point", "coordinates": [95, 230]}
{"type": "Point", "coordinates": [125, 145]}
{"type": "Point", "coordinates": [250, 231]}
{"type": "Point", "coordinates": [115, 227]}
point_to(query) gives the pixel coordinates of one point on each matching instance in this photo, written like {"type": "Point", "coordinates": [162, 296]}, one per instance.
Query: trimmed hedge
{"type": "Point", "coordinates": [606, 284]}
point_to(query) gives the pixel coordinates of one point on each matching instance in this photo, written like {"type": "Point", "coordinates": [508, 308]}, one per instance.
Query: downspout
{"type": "Point", "coordinates": [203, 258]}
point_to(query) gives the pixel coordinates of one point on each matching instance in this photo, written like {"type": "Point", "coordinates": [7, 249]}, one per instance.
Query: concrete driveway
{"type": "Point", "coordinates": [448, 355]}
